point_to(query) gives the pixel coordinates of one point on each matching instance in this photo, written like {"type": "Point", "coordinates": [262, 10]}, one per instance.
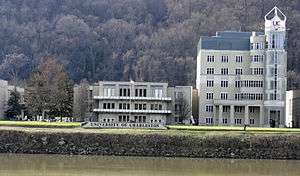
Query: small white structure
{"type": "Point", "coordinates": [5, 91]}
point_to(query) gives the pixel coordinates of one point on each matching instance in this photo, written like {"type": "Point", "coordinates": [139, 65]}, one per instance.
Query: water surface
{"type": "Point", "coordinates": [61, 165]}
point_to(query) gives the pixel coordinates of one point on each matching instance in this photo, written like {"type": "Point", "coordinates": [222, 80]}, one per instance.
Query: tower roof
{"type": "Point", "coordinates": [275, 20]}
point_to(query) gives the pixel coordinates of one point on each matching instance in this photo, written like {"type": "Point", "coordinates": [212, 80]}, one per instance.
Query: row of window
{"type": "Point", "coordinates": [224, 59]}
{"type": "Point", "coordinates": [257, 58]}
{"type": "Point", "coordinates": [224, 71]}
{"type": "Point", "coordinates": [248, 96]}
{"type": "Point", "coordinates": [247, 83]}
{"type": "Point", "coordinates": [257, 46]}
{"type": "Point", "coordinates": [137, 106]}
{"type": "Point", "coordinates": [239, 71]}
{"type": "Point", "coordinates": [237, 121]}
{"type": "Point", "coordinates": [125, 92]}
{"type": "Point", "coordinates": [242, 96]}
{"type": "Point", "coordinates": [210, 96]}
{"type": "Point", "coordinates": [226, 109]}
{"type": "Point", "coordinates": [257, 71]}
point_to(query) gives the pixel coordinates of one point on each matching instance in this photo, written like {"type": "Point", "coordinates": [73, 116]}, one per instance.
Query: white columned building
{"type": "Point", "coordinates": [241, 76]}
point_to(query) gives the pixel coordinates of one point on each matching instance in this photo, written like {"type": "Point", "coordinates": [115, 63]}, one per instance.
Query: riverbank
{"type": "Point", "coordinates": [135, 142]}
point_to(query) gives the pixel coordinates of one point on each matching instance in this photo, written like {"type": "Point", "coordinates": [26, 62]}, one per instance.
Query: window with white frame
{"type": "Point", "coordinates": [238, 71]}
{"type": "Point", "coordinates": [209, 120]}
{"type": "Point", "coordinates": [258, 58]}
{"type": "Point", "coordinates": [224, 71]}
{"type": "Point", "coordinates": [237, 83]}
{"type": "Point", "coordinates": [252, 109]}
{"type": "Point", "coordinates": [108, 92]}
{"type": "Point", "coordinates": [238, 109]}
{"type": "Point", "coordinates": [238, 121]}
{"type": "Point", "coordinates": [210, 71]}
{"type": "Point", "coordinates": [257, 71]}
{"type": "Point", "coordinates": [224, 96]}
{"type": "Point", "coordinates": [158, 93]}
{"type": "Point", "coordinates": [210, 83]}
{"type": "Point", "coordinates": [210, 58]}
{"type": "Point", "coordinates": [209, 96]}
{"type": "Point", "coordinates": [252, 121]}
{"type": "Point", "coordinates": [224, 59]}
{"type": "Point", "coordinates": [226, 108]}
{"type": "Point", "coordinates": [209, 108]}
{"type": "Point", "coordinates": [239, 59]}
{"type": "Point", "coordinates": [224, 83]}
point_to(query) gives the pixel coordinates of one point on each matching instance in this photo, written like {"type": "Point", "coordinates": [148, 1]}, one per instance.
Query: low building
{"type": "Point", "coordinates": [140, 103]}
{"type": "Point", "coordinates": [5, 90]}
{"type": "Point", "coordinates": [292, 108]}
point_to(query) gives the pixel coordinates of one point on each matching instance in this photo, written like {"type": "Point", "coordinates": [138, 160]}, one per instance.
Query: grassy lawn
{"type": "Point", "coordinates": [227, 128]}
{"type": "Point", "coordinates": [40, 124]}
{"type": "Point", "coordinates": [172, 128]}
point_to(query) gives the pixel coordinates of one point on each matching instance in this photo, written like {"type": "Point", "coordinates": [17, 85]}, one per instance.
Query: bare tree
{"type": "Point", "coordinates": [183, 109]}
{"type": "Point", "coordinates": [80, 107]}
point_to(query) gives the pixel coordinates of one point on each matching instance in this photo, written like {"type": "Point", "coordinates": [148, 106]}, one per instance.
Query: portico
{"type": "Point", "coordinates": [238, 113]}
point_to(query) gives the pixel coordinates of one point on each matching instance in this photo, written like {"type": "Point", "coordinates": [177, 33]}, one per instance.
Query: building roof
{"type": "Point", "coordinates": [226, 40]}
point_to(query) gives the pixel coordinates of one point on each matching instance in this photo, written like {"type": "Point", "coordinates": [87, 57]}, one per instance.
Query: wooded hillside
{"type": "Point", "coordinates": [146, 40]}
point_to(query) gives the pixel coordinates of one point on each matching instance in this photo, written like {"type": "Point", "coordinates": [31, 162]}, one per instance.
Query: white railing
{"type": "Point", "coordinates": [133, 98]}
{"type": "Point", "coordinates": [133, 111]}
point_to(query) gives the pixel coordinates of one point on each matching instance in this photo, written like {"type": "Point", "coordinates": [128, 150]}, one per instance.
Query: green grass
{"type": "Point", "coordinates": [226, 128]}
{"type": "Point", "coordinates": [38, 124]}
{"type": "Point", "coordinates": [172, 128]}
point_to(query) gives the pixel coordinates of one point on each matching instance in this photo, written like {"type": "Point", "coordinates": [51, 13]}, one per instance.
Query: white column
{"type": "Point", "coordinates": [215, 114]}
{"type": "Point", "coordinates": [246, 115]}
{"type": "Point", "coordinates": [267, 123]}
{"type": "Point", "coordinates": [231, 115]}
{"type": "Point", "coordinates": [261, 116]}
{"type": "Point", "coordinates": [220, 114]}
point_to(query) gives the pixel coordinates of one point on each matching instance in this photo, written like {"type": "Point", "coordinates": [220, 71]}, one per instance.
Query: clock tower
{"type": "Point", "coordinates": [275, 68]}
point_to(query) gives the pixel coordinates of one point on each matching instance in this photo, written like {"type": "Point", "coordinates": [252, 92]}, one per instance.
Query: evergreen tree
{"type": "Point", "coordinates": [14, 106]}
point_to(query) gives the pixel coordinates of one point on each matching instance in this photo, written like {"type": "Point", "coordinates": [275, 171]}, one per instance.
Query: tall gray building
{"type": "Point", "coordinates": [241, 76]}
{"type": "Point", "coordinates": [140, 103]}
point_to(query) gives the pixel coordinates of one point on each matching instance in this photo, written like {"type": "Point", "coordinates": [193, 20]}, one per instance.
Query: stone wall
{"type": "Point", "coordinates": [187, 144]}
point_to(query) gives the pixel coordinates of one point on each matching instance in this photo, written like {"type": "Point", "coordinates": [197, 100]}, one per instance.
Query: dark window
{"type": "Point", "coordinates": [135, 118]}
{"type": "Point", "coordinates": [136, 92]}
{"type": "Point", "coordinates": [145, 92]}
{"type": "Point", "coordinates": [141, 92]}
{"type": "Point", "coordinates": [120, 106]}
{"type": "Point", "coordinates": [120, 118]}
{"type": "Point", "coordinates": [128, 92]}
{"type": "Point", "coordinates": [144, 119]}
{"type": "Point", "coordinates": [128, 106]}
{"type": "Point", "coordinates": [120, 93]}
{"type": "Point", "coordinates": [125, 92]}
{"type": "Point", "coordinates": [104, 105]}
{"type": "Point", "coordinates": [160, 107]}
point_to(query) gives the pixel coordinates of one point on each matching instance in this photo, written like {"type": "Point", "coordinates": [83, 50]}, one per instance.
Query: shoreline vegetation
{"type": "Point", "coordinates": [178, 141]}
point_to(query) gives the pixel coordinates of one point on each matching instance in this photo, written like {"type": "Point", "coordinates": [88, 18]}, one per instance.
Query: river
{"type": "Point", "coordinates": [61, 165]}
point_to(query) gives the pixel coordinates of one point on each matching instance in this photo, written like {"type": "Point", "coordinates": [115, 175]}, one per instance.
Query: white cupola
{"type": "Point", "coordinates": [275, 20]}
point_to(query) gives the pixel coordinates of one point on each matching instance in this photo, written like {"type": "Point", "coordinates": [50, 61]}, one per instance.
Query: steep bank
{"type": "Point", "coordinates": [168, 143]}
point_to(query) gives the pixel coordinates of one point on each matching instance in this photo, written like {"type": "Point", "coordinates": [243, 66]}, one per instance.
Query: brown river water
{"type": "Point", "coordinates": [62, 165]}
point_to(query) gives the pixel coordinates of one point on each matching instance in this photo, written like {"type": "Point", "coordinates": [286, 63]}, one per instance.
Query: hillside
{"type": "Point", "coordinates": [144, 40]}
